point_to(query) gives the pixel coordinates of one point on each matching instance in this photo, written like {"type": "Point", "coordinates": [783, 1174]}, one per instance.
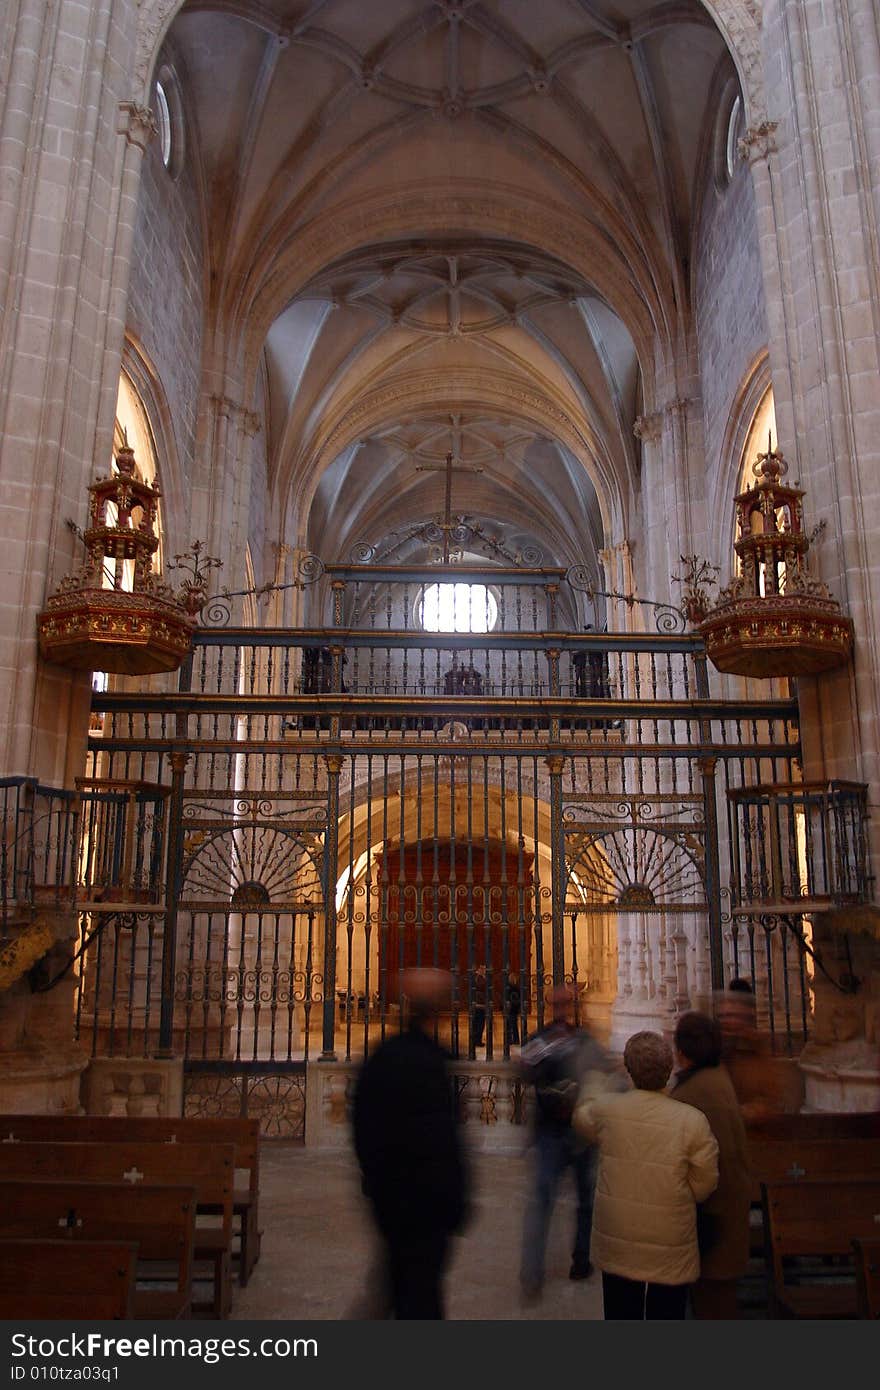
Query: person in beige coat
{"type": "Point", "coordinates": [657, 1160]}
{"type": "Point", "coordinates": [723, 1220]}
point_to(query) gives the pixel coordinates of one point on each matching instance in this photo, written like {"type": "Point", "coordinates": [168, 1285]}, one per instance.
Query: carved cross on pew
{"type": "Point", "coordinates": [446, 525]}
{"type": "Point", "coordinates": [133, 1175]}
{"type": "Point", "coordinates": [795, 1172]}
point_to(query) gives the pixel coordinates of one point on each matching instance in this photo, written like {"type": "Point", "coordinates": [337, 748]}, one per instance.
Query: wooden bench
{"type": "Point", "coordinates": [867, 1253]}
{"type": "Point", "coordinates": [209, 1168]}
{"type": "Point", "coordinates": [243, 1134]}
{"type": "Point", "coordinates": [159, 1220]}
{"type": "Point", "coordinates": [817, 1125]}
{"type": "Point", "coordinates": [63, 1279]}
{"type": "Point", "coordinates": [812, 1223]}
{"type": "Point", "coordinates": [778, 1160]}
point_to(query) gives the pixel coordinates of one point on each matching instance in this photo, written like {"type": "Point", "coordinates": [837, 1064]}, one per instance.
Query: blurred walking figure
{"type": "Point", "coordinates": [657, 1160]}
{"type": "Point", "coordinates": [479, 1005]}
{"type": "Point", "coordinates": [408, 1146]}
{"type": "Point", "coordinates": [558, 1060]}
{"type": "Point", "coordinates": [512, 1006]}
{"type": "Point", "coordinates": [758, 1078]}
{"type": "Point", "coordinates": [723, 1218]}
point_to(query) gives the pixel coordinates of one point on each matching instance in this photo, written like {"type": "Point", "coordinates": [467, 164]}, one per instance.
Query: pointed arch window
{"type": "Point", "coordinates": [761, 438]}
{"type": "Point", "coordinates": [133, 424]}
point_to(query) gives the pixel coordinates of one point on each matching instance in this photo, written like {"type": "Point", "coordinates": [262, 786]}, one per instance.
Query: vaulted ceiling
{"type": "Point", "coordinates": [451, 226]}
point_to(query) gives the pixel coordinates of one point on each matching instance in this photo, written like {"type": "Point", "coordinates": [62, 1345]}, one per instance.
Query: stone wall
{"type": "Point", "coordinates": [165, 300]}
{"type": "Point", "coordinates": [729, 307]}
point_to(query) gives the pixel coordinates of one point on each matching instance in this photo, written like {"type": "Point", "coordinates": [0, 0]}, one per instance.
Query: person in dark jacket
{"type": "Point", "coordinates": [723, 1218]}
{"type": "Point", "coordinates": [479, 1011]}
{"type": "Point", "coordinates": [557, 1060]}
{"type": "Point", "coordinates": [512, 1006]}
{"type": "Point", "coordinates": [408, 1145]}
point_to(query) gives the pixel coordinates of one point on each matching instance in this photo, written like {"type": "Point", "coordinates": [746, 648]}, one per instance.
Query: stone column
{"type": "Point", "coordinates": [817, 189]}
{"type": "Point", "coordinates": [71, 142]}
{"type": "Point", "coordinates": [669, 493]}
{"type": "Point", "coordinates": [814, 160]}
{"type": "Point", "coordinates": [221, 492]}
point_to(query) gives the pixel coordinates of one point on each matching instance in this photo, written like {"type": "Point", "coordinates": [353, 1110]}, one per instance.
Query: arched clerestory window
{"type": "Point", "coordinates": [761, 437]}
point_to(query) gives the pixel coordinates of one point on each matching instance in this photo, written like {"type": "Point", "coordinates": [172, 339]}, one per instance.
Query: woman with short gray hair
{"type": "Point", "coordinates": [657, 1159]}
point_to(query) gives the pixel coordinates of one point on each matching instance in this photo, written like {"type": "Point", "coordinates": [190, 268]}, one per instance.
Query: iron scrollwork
{"type": "Point", "coordinates": [667, 618]}
{"type": "Point", "coordinates": [217, 612]}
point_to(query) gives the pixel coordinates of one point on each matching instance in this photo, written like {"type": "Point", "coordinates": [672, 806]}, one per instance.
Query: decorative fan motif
{"type": "Point", "coordinates": [635, 868]}
{"type": "Point", "coordinates": [253, 866]}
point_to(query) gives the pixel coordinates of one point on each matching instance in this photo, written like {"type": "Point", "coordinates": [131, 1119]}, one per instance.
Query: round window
{"type": "Point", "coordinates": [457, 608]}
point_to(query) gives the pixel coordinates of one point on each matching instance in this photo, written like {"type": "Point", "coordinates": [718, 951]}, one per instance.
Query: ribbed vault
{"type": "Point", "coordinates": [451, 226]}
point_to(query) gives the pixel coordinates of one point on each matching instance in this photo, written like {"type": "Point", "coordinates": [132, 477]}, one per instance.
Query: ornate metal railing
{"type": "Point", "coordinates": [100, 842]}
{"type": "Point", "coordinates": [798, 848]}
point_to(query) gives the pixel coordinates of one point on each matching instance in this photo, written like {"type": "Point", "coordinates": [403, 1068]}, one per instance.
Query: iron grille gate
{"type": "Point", "coordinates": [323, 814]}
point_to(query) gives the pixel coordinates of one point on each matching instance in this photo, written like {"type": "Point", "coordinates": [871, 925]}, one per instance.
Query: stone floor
{"type": "Point", "coordinates": [317, 1244]}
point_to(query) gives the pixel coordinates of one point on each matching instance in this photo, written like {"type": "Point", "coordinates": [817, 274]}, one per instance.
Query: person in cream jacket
{"type": "Point", "coordinates": [657, 1160]}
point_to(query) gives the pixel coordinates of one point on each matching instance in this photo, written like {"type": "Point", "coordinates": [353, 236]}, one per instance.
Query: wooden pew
{"type": "Point", "coordinates": [780, 1160]}
{"type": "Point", "coordinates": [867, 1253]}
{"type": "Point", "coordinates": [209, 1168]}
{"type": "Point", "coordinates": [817, 1125]}
{"type": "Point", "coordinates": [160, 1221]}
{"type": "Point", "coordinates": [84, 1279]}
{"type": "Point", "coordinates": [244, 1134]}
{"type": "Point", "coordinates": [810, 1222]}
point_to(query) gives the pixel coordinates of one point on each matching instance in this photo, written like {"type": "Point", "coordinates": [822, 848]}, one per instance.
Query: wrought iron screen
{"type": "Point", "coordinates": [312, 810]}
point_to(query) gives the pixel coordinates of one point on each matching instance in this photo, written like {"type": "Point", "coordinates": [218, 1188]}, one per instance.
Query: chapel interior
{"type": "Point", "coordinates": [440, 459]}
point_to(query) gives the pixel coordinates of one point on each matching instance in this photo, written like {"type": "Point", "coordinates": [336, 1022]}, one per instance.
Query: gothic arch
{"type": "Point", "coordinates": [503, 214]}
{"type": "Point", "coordinates": [738, 21]}
{"type": "Point", "coordinates": [144, 377]}
{"type": "Point", "coordinates": [728, 474]}
{"type": "Point", "coordinates": [468, 389]}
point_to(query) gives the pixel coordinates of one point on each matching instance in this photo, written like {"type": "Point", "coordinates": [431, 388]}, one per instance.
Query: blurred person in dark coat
{"type": "Point", "coordinates": [723, 1217]}
{"type": "Point", "coordinates": [512, 1006]}
{"type": "Point", "coordinates": [560, 1061]}
{"type": "Point", "coordinates": [409, 1149]}
{"type": "Point", "coordinates": [480, 1000]}
{"type": "Point", "coordinates": [758, 1077]}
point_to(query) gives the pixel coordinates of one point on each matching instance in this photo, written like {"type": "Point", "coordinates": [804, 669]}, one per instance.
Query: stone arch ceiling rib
{"type": "Point", "coordinates": [336, 130]}
{"type": "Point", "coordinates": [329, 76]}
{"type": "Point", "coordinates": [407, 306]}
{"type": "Point", "coordinates": [385, 487]}
{"type": "Point", "coordinates": [477, 391]}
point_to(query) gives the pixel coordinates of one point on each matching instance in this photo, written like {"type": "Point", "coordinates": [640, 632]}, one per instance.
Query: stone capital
{"type": "Point", "coordinates": [648, 428]}
{"type": "Point", "coordinates": [137, 123]}
{"type": "Point", "coordinates": [248, 420]}
{"type": "Point", "coordinates": [757, 143]}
